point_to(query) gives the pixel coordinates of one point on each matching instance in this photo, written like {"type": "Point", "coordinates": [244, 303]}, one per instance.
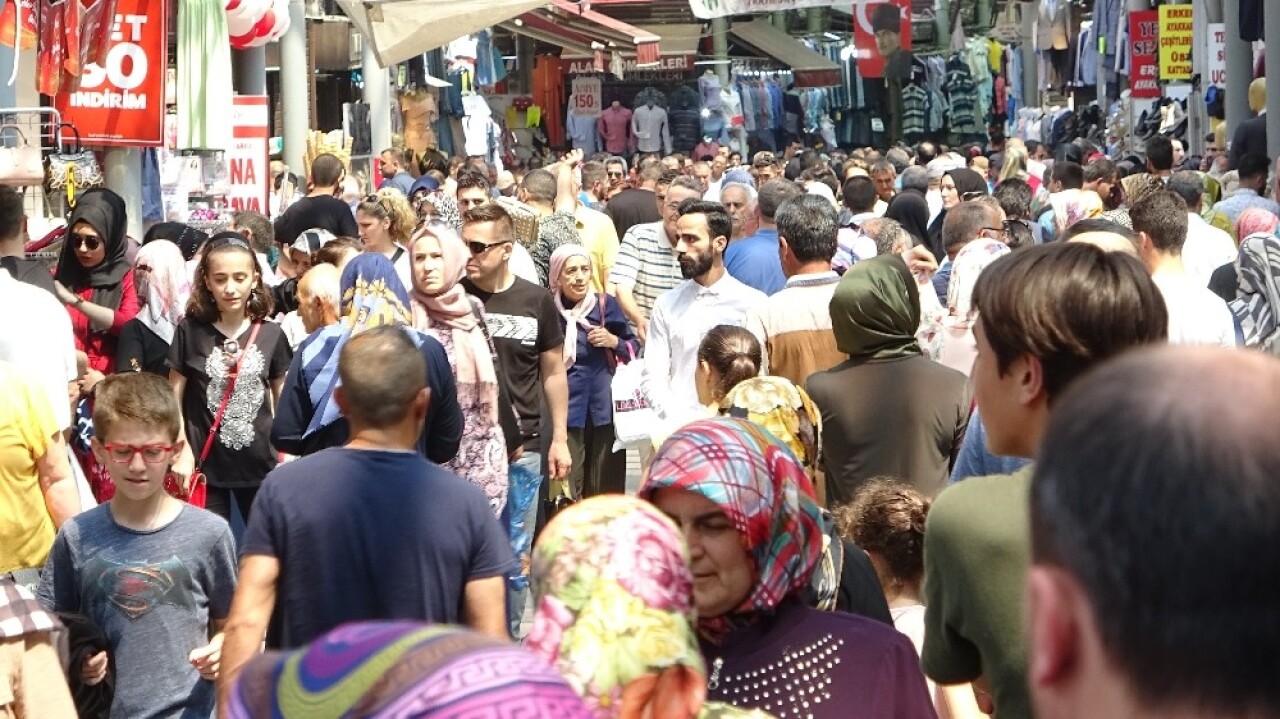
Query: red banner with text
{"type": "Point", "coordinates": [1144, 61]}
{"type": "Point", "coordinates": [121, 102]}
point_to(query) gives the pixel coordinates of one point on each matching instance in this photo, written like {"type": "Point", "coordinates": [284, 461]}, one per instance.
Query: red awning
{"type": "Point", "coordinates": [615, 34]}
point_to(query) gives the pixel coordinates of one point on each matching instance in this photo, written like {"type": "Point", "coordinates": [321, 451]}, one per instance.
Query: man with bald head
{"type": "Point", "coordinates": [1155, 537]}
{"type": "Point", "coordinates": [370, 530]}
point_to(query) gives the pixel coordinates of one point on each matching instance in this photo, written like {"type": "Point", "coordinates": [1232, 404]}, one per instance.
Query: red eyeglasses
{"type": "Point", "coordinates": [151, 453]}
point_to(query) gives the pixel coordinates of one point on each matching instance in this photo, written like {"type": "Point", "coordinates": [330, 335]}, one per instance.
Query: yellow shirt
{"type": "Point", "coordinates": [26, 431]}
{"type": "Point", "coordinates": [599, 235]}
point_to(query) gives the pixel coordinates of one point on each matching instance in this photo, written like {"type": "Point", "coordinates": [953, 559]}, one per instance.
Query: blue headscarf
{"type": "Point", "coordinates": [372, 296]}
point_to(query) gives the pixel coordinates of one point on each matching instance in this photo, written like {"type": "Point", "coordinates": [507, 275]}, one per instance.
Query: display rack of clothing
{"type": "Point", "coordinates": [684, 110]}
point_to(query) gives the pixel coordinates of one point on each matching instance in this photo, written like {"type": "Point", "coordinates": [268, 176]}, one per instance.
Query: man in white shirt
{"type": "Point", "coordinates": [1196, 315]}
{"type": "Point", "coordinates": [35, 336]}
{"type": "Point", "coordinates": [708, 297]}
{"type": "Point", "coordinates": [1207, 247]}
{"type": "Point", "coordinates": [718, 166]}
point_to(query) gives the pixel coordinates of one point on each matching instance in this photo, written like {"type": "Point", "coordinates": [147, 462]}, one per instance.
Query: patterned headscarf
{"type": "Point", "coordinates": [761, 487]}
{"type": "Point", "coordinates": [167, 287]}
{"type": "Point", "coordinates": [613, 599]}
{"type": "Point", "coordinates": [1258, 297]}
{"type": "Point", "coordinates": [372, 296]}
{"type": "Point", "coordinates": [381, 670]}
{"type": "Point", "coordinates": [1072, 206]}
{"type": "Point", "coordinates": [784, 409]}
{"type": "Point", "coordinates": [969, 264]}
{"type": "Point", "coordinates": [575, 317]}
{"type": "Point", "coordinates": [1256, 220]}
{"type": "Point", "coordinates": [446, 208]}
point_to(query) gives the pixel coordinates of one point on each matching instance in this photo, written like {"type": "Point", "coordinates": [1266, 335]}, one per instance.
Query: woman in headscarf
{"type": "Point", "coordinates": [958, 186]}
{"type": "Point", "coordinates": [1256, 221]}
{"type": "Point", "coordinates": [958, 348]}
{"type": "Point", "coordinates": [748, 513]}
{"type": "Point", "coordinates": [1072, 206]}
{"type": "Point", "coordinates": [381, 670]}
{"type": "Point", "coordinates": [614, 614]}
{"type": "Point", "coordinates": [308, 419]}
{"type": "Point", "coordinates": [94, 278]}
{"type": "Point", "coordinates": [1257, 299]}
{"type": "Point", "coordinates": [188, 239]}
{"type": "Point", "coordinates": [596, 337]}
{"type": "Point", "coordinates": [164, 285]}
{"type": "Point", "coordinates": [442, 309]}
{"type": "Point", "coordinates": [867, 431]}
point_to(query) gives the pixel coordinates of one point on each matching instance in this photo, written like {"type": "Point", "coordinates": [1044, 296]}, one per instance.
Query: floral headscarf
{"type": "Point", "coordinates": [613, 599]}
{"type": "Point", "coordinates": [1258, 297]}
{"type": "Point", "coordinates": [763, 490]}
{"type": "Point", "coordinates": [167, 287]}
{"type": "Point", "coordinates": [1072, 206]}
{"type": "Point", "coordinates": [1256, 220]}
{"type": "Point", "coordinates": [784, 409]}
{"type": "Point", "coordinates": [382, 670]}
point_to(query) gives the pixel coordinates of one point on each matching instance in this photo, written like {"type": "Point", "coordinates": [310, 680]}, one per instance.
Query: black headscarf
{"type": "Point", "coordinates": [187, 238]}
{"type": "Point", "coordinates": [105, 212]}
{"type": "Point", "coordinates": [967, 182]}
{"type": "Point", "coordinates": [911, 210]}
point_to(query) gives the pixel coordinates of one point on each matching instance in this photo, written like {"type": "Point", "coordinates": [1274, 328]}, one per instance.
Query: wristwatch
{"type": "Point", "coordinates": [79, 301]}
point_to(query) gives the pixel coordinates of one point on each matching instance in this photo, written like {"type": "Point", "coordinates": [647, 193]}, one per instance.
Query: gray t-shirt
{"type": "Point", "coordinates": [153, 594]}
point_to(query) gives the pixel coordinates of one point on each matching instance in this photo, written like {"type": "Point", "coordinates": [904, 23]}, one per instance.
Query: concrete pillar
{"type": "Point", "coordinates": [1197, 113]}
{"type": "Point", "coordinates": [1239, 69]}
{"type": "Point", "coordinates": [779, 20]}
{"type": "Point", "coordinates": [816, 21]}
{"type": "Point", "coordinates": [249, 70]}
{"type": "Point", "coordinates": [1030, 63]}
{"type": "Point", "coordinates": [943, 21]}
{"type": "Point", "coordinates": [720, 48]}
{"type": "Point", "coordinates": [1271, 34]}
{"type": "Point", "coordinates": [122, 170]}
{"type": "Point", "coordinates": [295, 85]}
{"type": "Point", "coordinates": [9, 94]}
{"type": "Point", "coordinates": [377, 97]}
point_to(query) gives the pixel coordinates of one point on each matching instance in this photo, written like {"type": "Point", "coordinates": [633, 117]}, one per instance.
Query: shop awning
{"type": "Point", "coordinates": [807, 67]}
{"type": "Point", "coordinates": [543, 29]}
{"type": "Point", "coordinates": [397, 30]}
{"type": "Point", "coordinates": [676, 41]}
{"type": "Point", "coordinates": [642, 42]}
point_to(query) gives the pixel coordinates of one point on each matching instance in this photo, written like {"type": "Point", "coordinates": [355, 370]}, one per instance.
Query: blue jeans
{"type": "Point", "coordinates": [518, 589]}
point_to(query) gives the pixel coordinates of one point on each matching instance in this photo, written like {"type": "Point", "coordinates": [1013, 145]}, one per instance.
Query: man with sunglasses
{"type": "Point", "coordinates": [637, 205]}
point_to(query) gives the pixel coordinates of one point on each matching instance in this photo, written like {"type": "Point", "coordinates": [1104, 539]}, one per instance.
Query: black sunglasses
{"type": "Point", "coordinates": [479, 248]}
{"type": "Point", "coordinates": [88, 242]}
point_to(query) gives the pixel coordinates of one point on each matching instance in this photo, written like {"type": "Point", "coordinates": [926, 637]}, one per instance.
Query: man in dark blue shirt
{"type": "Point", "coordinates": [370, 530]}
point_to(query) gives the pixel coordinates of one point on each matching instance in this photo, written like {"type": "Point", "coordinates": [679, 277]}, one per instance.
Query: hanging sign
{"type": "Point", "coordinates": [1218, 54]}
{"type": "Point", "coordinates": [705, 9]}
{"type": "Point", "coordinates": [248, 174]}
{"type": "Point", "coordinates": [585, 96]}
{"type": "Point", "coordinates": [882, 38]}
{"type": "Point", "coordinates": [1175, 42]}
{"type": "Point", "coordinates": [1144, 45]}
{"type": "Point", "coordinates": [121, 102]}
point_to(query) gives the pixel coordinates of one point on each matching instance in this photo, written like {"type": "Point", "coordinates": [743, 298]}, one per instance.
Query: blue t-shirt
{"type": "Point", "coordinates": [975, 460]}
{"type": "Point", "coordinates": [754, 261]}
{"type": "Point", "coordinates": [372, 534]}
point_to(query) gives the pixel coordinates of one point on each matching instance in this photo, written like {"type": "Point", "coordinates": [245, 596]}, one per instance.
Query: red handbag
{"type": "Point", "coordinates": [197, 489]}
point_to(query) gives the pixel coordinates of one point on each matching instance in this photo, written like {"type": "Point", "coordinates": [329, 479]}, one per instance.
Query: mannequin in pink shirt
{"type": "Point", "coordinates": [614, 126]}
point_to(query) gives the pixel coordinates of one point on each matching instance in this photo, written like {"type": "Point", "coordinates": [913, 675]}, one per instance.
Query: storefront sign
{"type": "Point", "coordinates": [248, 174]}
{"type": "Point", "coordinates": [1144, 39]}
{"type": "Point", "coordinates": [878, 42]}
{"type": "Point", "coordinates": [668, 65]}
{"type": "Point", "coordinates": [1218, 54]}
{"type": "Point", "coordinates": [1175, 42]}
{"type": "Point", "coordinates": [122, 102]}
{"type": "Point", "coordinates": [704, 9]}
{"type": "Point", "coordinates": [585, 96]}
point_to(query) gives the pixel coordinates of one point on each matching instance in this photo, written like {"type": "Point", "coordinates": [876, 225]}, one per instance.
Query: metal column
{"type": "Point", "coordinates": [1239, 70]}
{"type": "Point", "coordinates": [122, 171]}
{"type": "Point", "coordinates": [1271, 30]}
{"type": "Point", "coordinates": [377, 97]}
{"type": "Point", "coordinates": [720, 48]}
{"type": "Point", "coordinates": [249, 70]}
{"type": "Point", "coordinates": [295, 86]}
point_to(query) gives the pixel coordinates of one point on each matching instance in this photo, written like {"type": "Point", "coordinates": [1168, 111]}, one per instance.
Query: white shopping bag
{"type": "Point", "coordinates": [633, 418]}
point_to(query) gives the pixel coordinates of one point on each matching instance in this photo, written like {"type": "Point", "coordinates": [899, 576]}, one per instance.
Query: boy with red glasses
{"type": "Point", "coordinates": [154, 573]}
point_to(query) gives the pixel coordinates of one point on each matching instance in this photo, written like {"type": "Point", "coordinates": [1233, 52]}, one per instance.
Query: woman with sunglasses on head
{"type": "Point", "coordinates": [748, 513]}
{"type": "Point", "coordinates": [164, 286]}
{"type": "Point", "coordinates": [442, 309]}
{"type": "Point", "coordinates": [227, 365]}
{"type": "Point", "coordinates": [386, 221]}
{"type": "Point", "coordinates": [94, 278]}
{"type": "Point", "coordinates": [958, 186]}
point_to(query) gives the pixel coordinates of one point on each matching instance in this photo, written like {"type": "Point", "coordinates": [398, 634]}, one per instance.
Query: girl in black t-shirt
{"type": "Point", "coordinates": [226, 359]}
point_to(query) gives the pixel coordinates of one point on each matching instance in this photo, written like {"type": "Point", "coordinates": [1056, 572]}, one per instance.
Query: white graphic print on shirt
{"type": "Point", "coordinates": [236, 430]}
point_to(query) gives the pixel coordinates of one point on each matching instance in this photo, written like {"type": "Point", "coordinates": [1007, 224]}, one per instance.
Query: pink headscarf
{"type": "Point", "coordinates": [168, 285]}
{"type": "Point", "coordinates": [576, 316]}
{"type": "Point", "coordinates": [1256, 220]}
{"type": "Point", "coordinates": [453, 307]}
